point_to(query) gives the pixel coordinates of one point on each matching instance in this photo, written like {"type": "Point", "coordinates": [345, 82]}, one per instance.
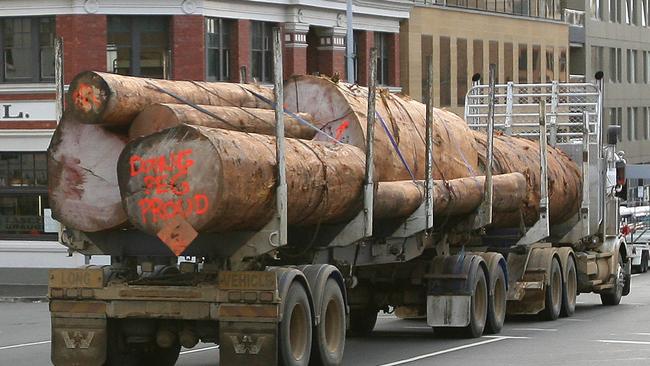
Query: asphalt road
{"type": "Point", "coordinates": [596, 335]}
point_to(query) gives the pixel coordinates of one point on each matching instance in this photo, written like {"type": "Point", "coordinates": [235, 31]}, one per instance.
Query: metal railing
{"type": "Point", "coordinates": [574, 17]}
{"type": "Point", "coordinates": [516, 110]}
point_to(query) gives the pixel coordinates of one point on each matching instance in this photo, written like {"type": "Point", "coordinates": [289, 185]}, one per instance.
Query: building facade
{"type": "Point", "coordinates": [613, 36]}
{"type": "Point", "coordinates": [527, 40]}
{"type": "Point", "coordinates": [209, 40]}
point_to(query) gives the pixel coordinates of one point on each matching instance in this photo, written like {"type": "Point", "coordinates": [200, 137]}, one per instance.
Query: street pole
{"type": "Point", "coordinates": [349, 44]}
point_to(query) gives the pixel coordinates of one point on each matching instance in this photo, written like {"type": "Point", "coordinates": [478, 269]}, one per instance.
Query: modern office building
{"type": "Point", "coordinates": [214, 40]}
{"type": "Point", "coordinates": [528, 40]}
{"type": "Point", "coordinates": [613, 36]}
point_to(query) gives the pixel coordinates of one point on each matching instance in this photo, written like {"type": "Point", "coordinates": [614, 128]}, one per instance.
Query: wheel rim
{"type": "Point", "coordinates": [298, 331]}
{"type": "Point", "coordinates": [333, 322]}
{"type": "Point", "coordinates": [480, 302]}
{"type": "Point", "coordinates": [620, 278]}
{"type": "Point", "coordinates": [572, 286]}
{"type": "Point", "coordinates": [556, 291]}
{"type": "Point", "coordinates": [499, 299]}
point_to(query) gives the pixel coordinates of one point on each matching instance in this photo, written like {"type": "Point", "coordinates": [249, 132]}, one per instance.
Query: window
{"type": "Point", "coordinates": [595, 9]}
{"type": "Point", "coordinates": [613, 66]}
{"type": "Point", "coordinates": [461, 71]}
{"type": "Point", "coordinates": [646, 67]}
{"type": "Point", "coordinates": [507, 62]}
{"type": "Point", "coordinates": [494, 58]}
{"type": "Point", "coordinates": [138, 46]}
{"type": "Point", "coordinates": [445, 72]}
{"type": "Point", "coordinates": [631, 66]}
{"type": "Point", "coordinates": [630, 124]}
{"type": "Point", "coordinates": [614, 11]}
{"type": "Point", "coordinates": [217, 44]}
{"type": "Point", "coordinates": [597, 55]}
{"type": "Point", "coordinates": [537, 64]}
{"type": "Point", "coordinates": [381, 43]}
{"type": "Point", "coordinates": [550, 63]}
{"type": "Point", "coordinates": [523, 64]}
{"type": "Point", "coordinates": [629, 11]}
{"type": "Point", "coordinates": [27, 45]}
{"type": "Point", "coordinates": [643, 4]}
{"type": "Point", "coordinates": [478, 56]}
{"type": "Point", "coordinates": [355, 56]}
{"type": "Point", "coordinates": [640, 123]}
{"type": "Point", "coordinates": [261, 52]}
{"type": "Point", "coordinates": [646, 124]}
{"type": "Point", "coordinates": [23, 195]}
{"type": "Point", "coordinates": [563, 65]}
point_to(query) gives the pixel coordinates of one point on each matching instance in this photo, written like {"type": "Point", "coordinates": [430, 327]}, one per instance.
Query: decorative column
{"type": "Point", "coordinates": [331, 52]}
{"type": "Point", "coordinates": [295, 49]}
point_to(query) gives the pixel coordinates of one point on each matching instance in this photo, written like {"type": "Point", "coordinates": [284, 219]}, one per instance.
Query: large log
{"type": "Point", "coordinates": [158, 117]}
{"type": "Point", "coordinates": [82, 176]}
{"type": "Point", "coordinates": [512, 154]}
{"type": "Point", "coordinates": [455, 197]}
{"type": "Point", "coordinates": [111, 99]}
{"type": "Point", "coordinates": [220, 180]}
{"type": "Point", "coordinates": [340, 110]}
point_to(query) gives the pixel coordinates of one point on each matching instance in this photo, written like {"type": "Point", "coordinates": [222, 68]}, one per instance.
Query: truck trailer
{"type": "Point", "coordinates": [276, 247]}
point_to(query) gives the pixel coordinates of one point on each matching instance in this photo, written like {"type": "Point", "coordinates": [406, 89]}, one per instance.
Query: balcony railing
{"type": "Point", "coordinates": [575, 18]}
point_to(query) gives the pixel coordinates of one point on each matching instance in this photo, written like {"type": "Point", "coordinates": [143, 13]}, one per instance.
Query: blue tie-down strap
{"type": "Point", "coordinates": [395, 147]}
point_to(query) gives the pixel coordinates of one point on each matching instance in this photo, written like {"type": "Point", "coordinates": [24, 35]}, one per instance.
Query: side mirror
{"type": "Point", "coordinates": [613, 132]}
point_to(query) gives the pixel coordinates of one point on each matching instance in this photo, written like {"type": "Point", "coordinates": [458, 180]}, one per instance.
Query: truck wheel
{"type": "Point", "coordinates": [644, 262]}
{"type": "Point", "coordinates": [497, 303]}
{"type": "Point", "coordinates": [296, 328]}
{"type": "Point", "coordinates": [479, 306]}
{"type": "Point", "coordinates": [553, 295]}
{"type": "Point", "coordinates": [362, 321]}
{"type": "Point", "coordinates": [329, 335]}
{"type": "Point", "coordinates": [613, 296]}
{"type": "Point", "coordinates": [570, 289]}
{"type": "Point", "coordinates": [117, 351]}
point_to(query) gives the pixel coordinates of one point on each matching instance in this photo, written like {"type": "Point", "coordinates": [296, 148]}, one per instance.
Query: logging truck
{"type": "Point", "coordinates": [287, 244]}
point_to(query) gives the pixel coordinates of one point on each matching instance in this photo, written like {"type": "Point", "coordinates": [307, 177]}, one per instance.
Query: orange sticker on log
{"type": "Point", "coordinates": [177, 234]}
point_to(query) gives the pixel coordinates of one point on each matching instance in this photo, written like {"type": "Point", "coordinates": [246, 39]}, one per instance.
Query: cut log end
{"type": "Point", "coordinates": [87, 97]}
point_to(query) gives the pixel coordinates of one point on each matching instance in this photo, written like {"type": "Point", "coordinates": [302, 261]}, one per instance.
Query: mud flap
{"type": "Point", "coordinates": [78, 341]}
{"type": "Point", "coordinates": [449, 310]}
{"type": "Point", "coordinates": [248, 343]}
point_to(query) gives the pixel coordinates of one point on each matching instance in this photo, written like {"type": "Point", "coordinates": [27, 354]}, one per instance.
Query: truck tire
{"type": "Point", "coordinates": [117, 351]}
{"type": "Point", "coordinates": [295, 333]}
{"type": "Point", "coordinates": [329, 334]}
{"type": "Point", "coordinates": [553, 293]}
{"type": "Point", "coordinates": [570, 289]}
{"type": "Point", "coordinates": [613, 296]}
{"type": "Point", "coordinates": [644, 262]}
{"type": "Point", "coordinates": [496, 315]}
{"type": "Point", "coordinates": [362, 321]}
{"type": "Point", "coordinates": [479, 306]}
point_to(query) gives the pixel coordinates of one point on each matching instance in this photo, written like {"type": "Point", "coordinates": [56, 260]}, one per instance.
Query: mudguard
{"type": "Point", "coordinates": [317, 275]}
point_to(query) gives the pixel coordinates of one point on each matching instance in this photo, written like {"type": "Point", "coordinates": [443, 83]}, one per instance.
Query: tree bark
{"type": "Point", "coordinates": [111, 99]}
{"type": "Point", "coordinates": [82, 176]}
{"type": "Point", "coordinates": [254, 120]}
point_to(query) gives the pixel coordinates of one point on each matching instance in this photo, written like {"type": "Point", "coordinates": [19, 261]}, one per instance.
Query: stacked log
{"type": "Point", "coordinates": [115, 100]}
{"type": "Point", "coordinates": [196, 173]}
{"type": "Point", "coordinates": [457, 151]}
{"type": "Point", "coordinates": [219, 175]}
{"type": "Point", "coordinates": [158, 117]}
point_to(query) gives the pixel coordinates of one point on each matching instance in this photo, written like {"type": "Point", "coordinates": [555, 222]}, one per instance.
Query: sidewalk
{"type": "Point", "coordinates": [23, 284]}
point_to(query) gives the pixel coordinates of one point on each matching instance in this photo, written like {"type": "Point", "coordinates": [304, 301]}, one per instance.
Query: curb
{"type": "Point", "coordinates": [24, 299]}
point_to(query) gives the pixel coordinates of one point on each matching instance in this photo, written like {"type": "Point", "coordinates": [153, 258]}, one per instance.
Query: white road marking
{"type": "Point", "coordinates": [642, 334]}
{"type": "Point", "coordinates": [576, 320]}
{"type": "Point", "coordinates": [412, 327]}
{"type": "Point", "coordinates": [636, 274]}
{"type": "Point", "coordinates": [506, 337]}
{"type": "Point", "coordinates": [24, 345]}
{"type": "Point", "coordinates": [199, 350]}
{"type": "Point", "coordinates": [623, 342]}
{"type": "Point", "coordinates": [580, 302]}
{"type": "Point", "coordinates": [429, 355]}
{"type": "Point", "coordinates": [535, 329]}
